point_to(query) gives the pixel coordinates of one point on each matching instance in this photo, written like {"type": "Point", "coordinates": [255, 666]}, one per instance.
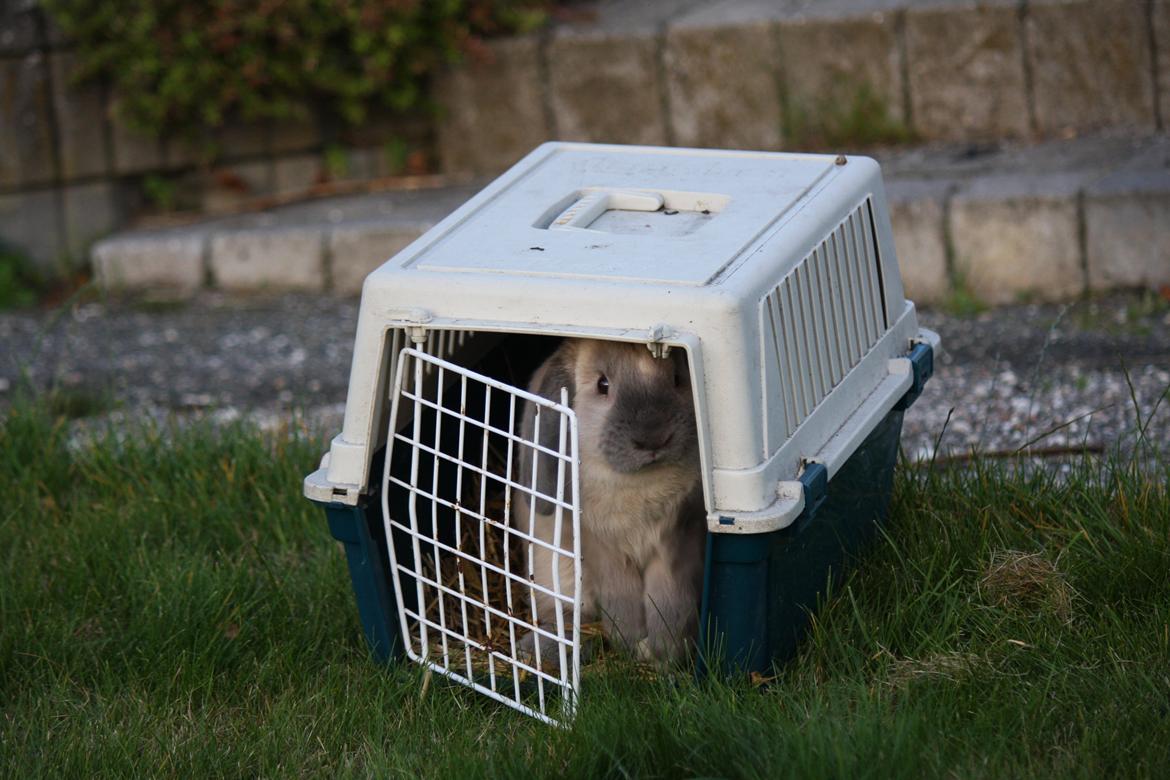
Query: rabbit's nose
{"type": "Point", "coordinates": [653, 441]}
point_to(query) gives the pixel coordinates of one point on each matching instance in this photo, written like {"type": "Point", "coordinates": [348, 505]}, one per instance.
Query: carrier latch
{"type": "Point", "coordinates": [656, 335]}
{"type": "Point", "coordinates": [921, 359]}
{"type": "Point", "coordinates": [815, 479]}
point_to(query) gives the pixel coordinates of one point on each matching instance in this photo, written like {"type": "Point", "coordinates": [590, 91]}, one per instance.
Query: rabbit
{"type": "Point", "coordinates": [642, 518]}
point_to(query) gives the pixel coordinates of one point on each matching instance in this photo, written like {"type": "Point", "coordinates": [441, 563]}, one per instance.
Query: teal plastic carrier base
{"type": "Point", "coordinates": [359, 528]}
{"type": "Point", "coordinates": [760, 590]}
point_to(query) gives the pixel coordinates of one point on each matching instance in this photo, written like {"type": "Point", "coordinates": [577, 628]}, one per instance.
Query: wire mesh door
{"type": "Point", "coordinates": [485, 554]}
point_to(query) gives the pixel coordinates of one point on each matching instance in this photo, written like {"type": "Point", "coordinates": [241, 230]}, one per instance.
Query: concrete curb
{"type": "Point", "coordinates": [328, 245]}
{"type": "Point", "coordinates": [1041, 222]}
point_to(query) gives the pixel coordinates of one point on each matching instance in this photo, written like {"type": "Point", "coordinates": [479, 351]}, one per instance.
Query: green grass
{"type": "Point", "coordinates": [171, 606]}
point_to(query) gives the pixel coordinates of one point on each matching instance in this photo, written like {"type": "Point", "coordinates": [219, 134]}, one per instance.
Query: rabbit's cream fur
{"type": "Point", "coordinates": [642, 517]}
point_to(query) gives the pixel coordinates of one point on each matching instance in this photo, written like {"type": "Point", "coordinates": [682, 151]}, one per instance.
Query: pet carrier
{"type": "Point", "coordinates": [775, 274]}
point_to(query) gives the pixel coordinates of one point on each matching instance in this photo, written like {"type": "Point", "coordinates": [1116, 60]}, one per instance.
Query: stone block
{"type": "Point", "coordinates": [1091, 64]}
{"type": "Point", "coordinates": [730, 13]}
{"type": "Point", "coordinates": [1016, 237]}
{"type": "Point", "coordinates": [380, 126]}
{"type": "Point", "coordinates": [297, 173]}
{"type": "Point", "coordinates": [362, 164]}
{"type": "Point", "coordinates": [636, 19]}
{"type": "Point", "coordinates": [228, 145]}
{"type": "Point", "coordinates": [229, 186]}
{"type": "Point", "coordinates": [917, 214]}
{"type": "Point", "coordinates": [134, 150]}
{"type": "Point", "coordinates": [843, 81]}
{"type": "Point", "coordinates": [81, 120]}
{"type": "Point", "coordinates": [161, 193]}
{"type": "Point", "coordinates": [282, 258]}
{"type": "Point", "coordinates": [1127, 230]}
{"type": "Point", "coordinates": [887, 5]}
{"type": "Point", "coordinates": [170, 261]}
{"type": "Point", "coordinates": [723, 84]}
{"type": "Point", "coordinates": [298, 133]}
{"type": "Point", "coordinates": [1161, 21]}
{"type": "Point", "coordinates": [179, 152]}
{"type": "Point", "coordinates": [356, 249]}
{"type": "Point", "coordinates": [966, 73]}
{"type": "Point", "coordinates": [605, 88]}
{"type": "Point", "coordinates": [492, 111]}
{"type": "Point", "coordinates": [91, 211]}
{"type": "Point", "coordinates": [20, 30]}
{"type": "Point", "coordinates": [55, 37]}
{"type": "Point", "coordinates": [241, 141]}
{"type": "Point", "coordinates": [383, 129]}
{"type": "Point", "coordinates": [30, 223]}
{"type": "Point", "coordinates": [26, 130]}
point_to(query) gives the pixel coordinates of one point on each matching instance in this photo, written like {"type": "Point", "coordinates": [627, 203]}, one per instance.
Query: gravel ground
{"type": "Point", "coordinates": [1006, 377]}
{"type": "Point", "coordinates": [1051, 378]}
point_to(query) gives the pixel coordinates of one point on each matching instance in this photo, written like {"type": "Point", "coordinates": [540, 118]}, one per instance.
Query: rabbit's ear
{"type": "Point", "coordinates": [543, 426]}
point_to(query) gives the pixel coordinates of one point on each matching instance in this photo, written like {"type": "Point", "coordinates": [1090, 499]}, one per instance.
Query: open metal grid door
{"type": "Point", "coordinates": [465, 536]}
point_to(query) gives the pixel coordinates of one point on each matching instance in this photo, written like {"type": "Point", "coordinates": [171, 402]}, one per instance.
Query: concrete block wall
{"type": "Point", "coordinates": [1074, 217]}
{"type": "Point", "coordinates": [752, 74]}
{"type": "Point", "coordinates": [71, 171]}
{"type": "Point", "coordinates": [1050, 222]}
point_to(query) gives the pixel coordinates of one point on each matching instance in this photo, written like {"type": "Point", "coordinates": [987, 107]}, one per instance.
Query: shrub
{"type": "Point", "coordinates": [179, 67]}
{"type": "Point", "coordinates": [18, 287]}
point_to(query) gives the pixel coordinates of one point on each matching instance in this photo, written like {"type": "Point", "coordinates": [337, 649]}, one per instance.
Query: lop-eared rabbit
{"type": "Point", "coordinates": [642, 518]}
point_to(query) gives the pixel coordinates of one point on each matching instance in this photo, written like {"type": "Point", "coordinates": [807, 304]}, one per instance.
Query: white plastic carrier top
{"type": "Point", "coordinates": [775, 272]}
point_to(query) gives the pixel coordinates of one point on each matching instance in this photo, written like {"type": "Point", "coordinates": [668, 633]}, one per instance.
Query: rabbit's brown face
{"type": "Point", "coordinates": [636, 409]}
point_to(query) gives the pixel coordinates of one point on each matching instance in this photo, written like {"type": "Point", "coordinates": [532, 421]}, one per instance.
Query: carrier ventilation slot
{"type": "Point", "coordinates": [819, 322]}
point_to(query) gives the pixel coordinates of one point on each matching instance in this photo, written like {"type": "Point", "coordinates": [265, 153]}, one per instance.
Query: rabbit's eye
{"type": "Point", "coordinates": [603, 384]}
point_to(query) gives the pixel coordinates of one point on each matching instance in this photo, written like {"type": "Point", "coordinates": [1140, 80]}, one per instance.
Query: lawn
{"type": "Point", "coordinates": [171, 606]}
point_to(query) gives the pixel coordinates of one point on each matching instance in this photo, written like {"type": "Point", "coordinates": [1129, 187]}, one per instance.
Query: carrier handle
{"type": "Point", "coordinates": [596, 202]}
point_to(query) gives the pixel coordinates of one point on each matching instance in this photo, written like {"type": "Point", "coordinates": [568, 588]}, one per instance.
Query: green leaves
{"type": "Point", "coordinates": [180, 67]}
